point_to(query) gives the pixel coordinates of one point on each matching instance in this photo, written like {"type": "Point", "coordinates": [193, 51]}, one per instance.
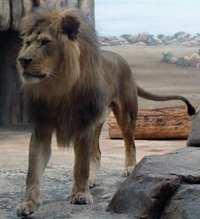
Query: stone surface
{"type": "Point", "coordinates": [183, 37]}
{"type": "Point", "coordinates": [195, 42]}
{"type": "Point", "coordinates": [188, 43]}
{"type": "Point", "coordinates": [156, 40]}
{"type": "Point", "coordinates": [173, 60]}
{"type": "Point", "coordinates": [12, 11]}
{"type": "Point", "coordinates": [4, 15]}
{"type": "Point", "coordinates": [185, 203]}
{"type": "Point", "coordinates": [17, 14]}
{"type": "Point", "coordinates": [140, 44]}
{"type": "Point", "coordinates": [185, 40]}
{"type": "Point", "coordinates": [133, 39]}
{"type": "Point", "coordinates": [160, 186]}
{"type": "Point", "coordinates": [194, 136]}
{"type": "Point", "coordinates": [143, 37]}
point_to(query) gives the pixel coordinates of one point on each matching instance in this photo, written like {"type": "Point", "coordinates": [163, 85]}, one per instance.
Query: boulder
{"type": "Point", "coordinates": [143, 37]}
{"type": "Point", "coordinates": [194, 137]}
{"type": "Point", "coordinates": [186, 44]}
{"type": "Point", "coordinates": [156, 40]}
{"type": "Point", "coordinates": [197, 39]}
{"type": "Point", "coordinates": [167, 55]}
{"type": "Point", "coordinates": [195, 42]}
{"type": "Point", "coordinates": [162, 186]}
{"type": "Point", "coordinates": [126, 43]}
{"type": "Point", "coordinates": [187, 58]}
{"type": "Point", "coordinates": [167, 38]}
{"type": "Point", "coordinates": [198, 65]}
{"type": "Point", "coordinates": [172, 42]}
{"type": "Point", "coordinates": [104, 44]}
{"type": "Point", "coordinates": [140, 44]}
{"type": "Point", "coordinates": [133, 39]}
{"type": "Point", "coordinates": [183, 37]}
{"type": "Point", "coordinates": [191, 37]}
{"type": "Point", "coordinates": [109, 38]}
{"type": "Point", "coordinates": [194, 59]}
{"type": "Point", "coordinates": [120, 39]}
{"type": "Point", "coordinates": [173, 60]}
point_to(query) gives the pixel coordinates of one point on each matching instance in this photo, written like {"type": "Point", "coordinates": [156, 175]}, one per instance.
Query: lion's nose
{"type": "Point", "coordinates": [24, 61]}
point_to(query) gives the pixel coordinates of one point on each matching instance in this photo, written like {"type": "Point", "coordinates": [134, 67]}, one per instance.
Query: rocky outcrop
{"type": "Point", "coordinates": [162, 186]}
{"type": "Point", "coordinates": [193, 60]}
{"type": "Point", "coordinates": [112, 40]}
{"type": "Point", "coordinates": [12, 11]}
{"type": "Point", "coordinates": [184, 39]}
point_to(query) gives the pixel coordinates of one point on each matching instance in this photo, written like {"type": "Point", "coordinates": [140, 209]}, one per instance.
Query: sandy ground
{"type": "Point", "coordinates": [151, 74]}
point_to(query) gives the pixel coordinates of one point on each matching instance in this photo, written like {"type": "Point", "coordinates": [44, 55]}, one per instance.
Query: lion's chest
{"type": "Point", "coordinates": [69, 116]}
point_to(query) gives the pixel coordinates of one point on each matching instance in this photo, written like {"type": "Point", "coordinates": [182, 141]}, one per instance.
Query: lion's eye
{"type": "Point", "coordinates": [28, 43]}
{"type": "Point", "coordinates": [45, 42]}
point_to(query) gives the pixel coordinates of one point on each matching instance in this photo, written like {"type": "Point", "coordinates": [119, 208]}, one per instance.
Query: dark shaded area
{"type": "Point", "coordinates": [11, 104]}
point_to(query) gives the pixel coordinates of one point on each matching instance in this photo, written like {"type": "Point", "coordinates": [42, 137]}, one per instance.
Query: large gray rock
{"type": "Point", "coordinates": [167, 38]}
{"type": "Point", "coordinates": [109, 38]}
{"type": "Point", "coordinates": [144, 37]}
{"type": "Point", "coordinates": [186, 44]}
{"type": "Point", "coordinates": [155, 40]}
{"type": "Point", "coordinates": [183, 37]}
{"type": "Point", "coordinates": [194, 135]}
{"type": "Point", "coordinates": [197, 39]}
{"type": "Point", "coordinates": [191, 37]}
{"type": "Point", "coordinates": [172, 42]}
{"type": "Point", "coordinates": [195, 43]}
{"type": "Point", "coordinates": [140, 44]}
{"type": "Point", "coordinates": [133, 39]}
{"type": "Point", "coordinates": [162, 186]}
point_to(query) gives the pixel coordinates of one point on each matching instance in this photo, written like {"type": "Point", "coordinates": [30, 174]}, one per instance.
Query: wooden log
{"type": "Point", "coordinates": [4, 15]}
{"type": "Point", "coordinates": [157, 123]}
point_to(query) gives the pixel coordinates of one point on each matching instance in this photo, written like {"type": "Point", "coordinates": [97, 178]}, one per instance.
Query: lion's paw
{"type": "Point", "coordinates": [128, 171]}
{"type": "Point", "coordinates": [92, 181]}
{"type": "Point", "coordinates": [81, 198]}
{"type": "Point", "coordinates": [27, 208]}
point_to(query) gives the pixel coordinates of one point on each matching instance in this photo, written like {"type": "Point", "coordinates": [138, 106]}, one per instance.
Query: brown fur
{"type": "Point", "coordinates": [71, 86]}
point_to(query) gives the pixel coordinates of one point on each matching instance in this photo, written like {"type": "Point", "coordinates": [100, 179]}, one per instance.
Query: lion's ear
{"type": "Point", "coordinates": [70, 26]}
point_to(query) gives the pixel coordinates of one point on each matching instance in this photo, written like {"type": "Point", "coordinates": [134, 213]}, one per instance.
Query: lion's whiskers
{"type": "Point", "coordinates": [50, 72]}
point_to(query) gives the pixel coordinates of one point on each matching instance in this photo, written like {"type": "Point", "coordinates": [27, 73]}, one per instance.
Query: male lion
{"type": "Point", "coordinates": [70, 85]}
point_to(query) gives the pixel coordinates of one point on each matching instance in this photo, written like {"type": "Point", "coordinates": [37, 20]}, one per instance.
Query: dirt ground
{"type": "Point", "coordinates": [151, 74]}
{"type": "Point", "coordinates": [58, 177]}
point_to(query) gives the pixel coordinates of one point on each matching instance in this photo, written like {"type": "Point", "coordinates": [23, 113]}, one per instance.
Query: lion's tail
{"type": "Point", "coordinates": [149, 96]}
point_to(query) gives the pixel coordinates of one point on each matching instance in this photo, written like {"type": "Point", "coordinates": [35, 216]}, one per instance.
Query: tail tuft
{"type": "Point", "coordinates": [191, 110]}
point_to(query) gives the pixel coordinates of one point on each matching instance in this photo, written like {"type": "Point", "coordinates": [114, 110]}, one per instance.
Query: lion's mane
{"type": "Point", "coordinates": [74, 98]}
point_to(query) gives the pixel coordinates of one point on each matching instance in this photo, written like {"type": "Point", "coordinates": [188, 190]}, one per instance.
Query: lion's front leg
{"type": "Point", "coordinates": [39, 154]}
{"type": "Point", "coordinates": [80, 193]}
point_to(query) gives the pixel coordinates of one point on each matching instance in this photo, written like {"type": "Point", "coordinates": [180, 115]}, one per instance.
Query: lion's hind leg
{"type": "Point", "coordinates": [127, 123]}
{"type": "Point", "coordinates": [80, 193]}
{"type": "Point", "coordinates": [95, 157]}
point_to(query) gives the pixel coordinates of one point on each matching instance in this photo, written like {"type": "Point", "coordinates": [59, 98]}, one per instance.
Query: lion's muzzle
{"type": "Point", "coordinates": [24, 61]}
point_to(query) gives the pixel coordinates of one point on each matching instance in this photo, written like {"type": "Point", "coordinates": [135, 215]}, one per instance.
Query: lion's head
{"type": "Point", "coordinates": [58, 46]}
